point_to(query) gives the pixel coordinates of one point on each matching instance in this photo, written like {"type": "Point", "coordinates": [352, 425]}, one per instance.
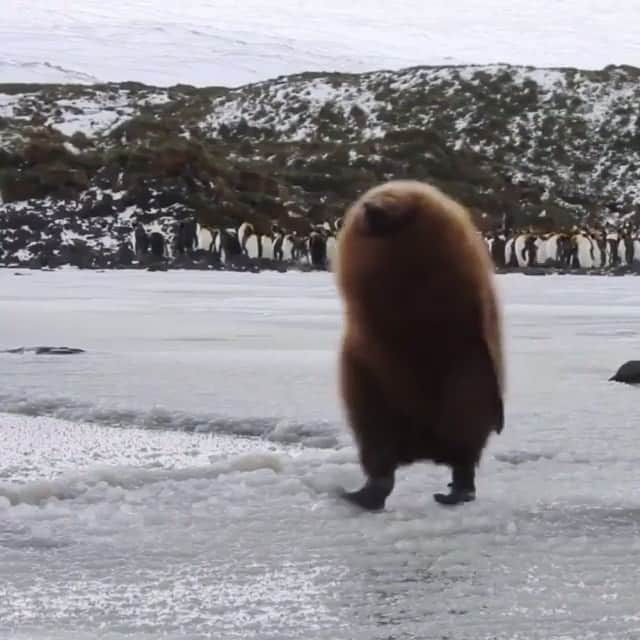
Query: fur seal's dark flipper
{"type": "Point", "coordinates": [463, 488]}
{"type": "Point", "coordinates": [474, 377]}
{"type": "Point", "coordinates": [454, 497]}
{"type": "Point", "coordinates": [373, 494]}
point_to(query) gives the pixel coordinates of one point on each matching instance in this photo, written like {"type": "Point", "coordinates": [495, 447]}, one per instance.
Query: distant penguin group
{"type": "Point", "coordinates": [575, 249]}
{"type": "Point", "coordinates": [181, 238]}
{"type": "Point", "coordinates": [228, 246]}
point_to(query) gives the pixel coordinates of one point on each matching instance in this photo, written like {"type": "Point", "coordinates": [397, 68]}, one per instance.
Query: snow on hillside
{"type": "Point", "coordinates": [214, 43]}
{"type": "Point", "coordinates": [88, 110]}
{"type": "Point", "coordinates": [290, 105]}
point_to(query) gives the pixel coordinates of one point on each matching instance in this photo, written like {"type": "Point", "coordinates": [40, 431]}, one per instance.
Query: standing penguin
{"type": "Point", "coordinates": [189, 235]}
{"type": "Point", "coordinates": [497, 250]}
{"type": "Point", "coordinates": [318, 249]}
{"type": "Point", "coordinates": [530, 251]}
{"type": "Point", "coordinates": [179, 238]}
{"type": "Point", "coordinates": [157, 244]}
{"type": "Point", "coordinates": [421, 368]}
{"type": "Point", "coordinates": [141, 240]}
{"type": "Point", "coordinates": [629, 248]}
{"type": "Point", "coordinates": [613, 240]}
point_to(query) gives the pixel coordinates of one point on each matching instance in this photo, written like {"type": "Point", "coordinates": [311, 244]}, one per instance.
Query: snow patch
{"type": "Point", "coordinates": [73, 485]}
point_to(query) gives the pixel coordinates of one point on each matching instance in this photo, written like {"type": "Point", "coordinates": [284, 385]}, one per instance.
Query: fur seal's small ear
{"type": "Point", "coordinates": [375, 217]}
{"type": "Point", "coordinates": [384, 220]}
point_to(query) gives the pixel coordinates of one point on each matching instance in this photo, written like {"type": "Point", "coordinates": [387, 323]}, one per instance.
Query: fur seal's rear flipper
{"type": "Point", "coordinates": [462, 487]}
{"type": "Point", "coordinates": [454, 497]}
{"type": "Point", "coordinates": [372, 495]}
{"type": "Point", "coordinates": [474, 377]}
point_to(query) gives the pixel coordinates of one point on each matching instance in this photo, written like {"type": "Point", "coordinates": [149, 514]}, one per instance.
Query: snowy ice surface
{"type": "Point", "coordinates": [204, 42]}
{"type": "Point", "coordinates": [176, 480]}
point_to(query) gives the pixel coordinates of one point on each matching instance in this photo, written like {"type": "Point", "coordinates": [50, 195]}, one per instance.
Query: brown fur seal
{"type": "Point", "coordinates": [421, 367]}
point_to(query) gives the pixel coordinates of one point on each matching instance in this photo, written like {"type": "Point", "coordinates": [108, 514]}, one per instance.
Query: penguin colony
{"type": "Point", "coordinates": [240, 247]}
{"type": "Point", "coordinates": [603, 247]}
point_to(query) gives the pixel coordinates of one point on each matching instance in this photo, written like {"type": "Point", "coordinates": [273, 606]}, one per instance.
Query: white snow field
{"type": "Point", "coordinates": [225, 42]}
{"type": "Point", "coordinates": [176, 480]}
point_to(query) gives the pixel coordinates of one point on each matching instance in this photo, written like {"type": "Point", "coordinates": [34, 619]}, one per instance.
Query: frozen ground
{"type": "Point", "coordinates": [175, 481]}
{"type": "Point", "coordinates": [203, 42]}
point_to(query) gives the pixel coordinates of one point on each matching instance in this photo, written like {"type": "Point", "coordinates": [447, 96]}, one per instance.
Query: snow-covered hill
{"type": "Point", "coordinates": [229, 43]}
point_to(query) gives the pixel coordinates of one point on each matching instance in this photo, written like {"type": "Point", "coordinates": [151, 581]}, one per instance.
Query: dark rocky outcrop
{"type": "Point", "coordinates": [629, 373]}
{"type": "Point", "coordinates": [54, 351]}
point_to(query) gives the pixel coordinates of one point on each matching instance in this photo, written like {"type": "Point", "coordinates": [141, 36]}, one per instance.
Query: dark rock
{"type": "Point", "coordinates": [124, 256]}
{"type": "Point", "coordinates": [78, 254]}
{"type": "Point", "coordinates": [629, 373]}
{"type": "Point", "coordinates": [102, 208]}
{"type": "Point", "coordinates": [56, 351]}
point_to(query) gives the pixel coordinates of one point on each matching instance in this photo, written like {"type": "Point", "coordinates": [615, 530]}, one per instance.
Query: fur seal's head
{"type": "Point", "coordinates": [394, 212]}
{"type": "Point", "coordinates": [383, 211]}
{"type": "Point", "coordinates": [384, 219]}
{"type": "Point", "coordinates": [399, 229]}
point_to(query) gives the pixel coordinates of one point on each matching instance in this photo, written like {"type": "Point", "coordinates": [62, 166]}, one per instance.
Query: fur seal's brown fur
{"type": "Point", "coordinates": [421, 362]}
